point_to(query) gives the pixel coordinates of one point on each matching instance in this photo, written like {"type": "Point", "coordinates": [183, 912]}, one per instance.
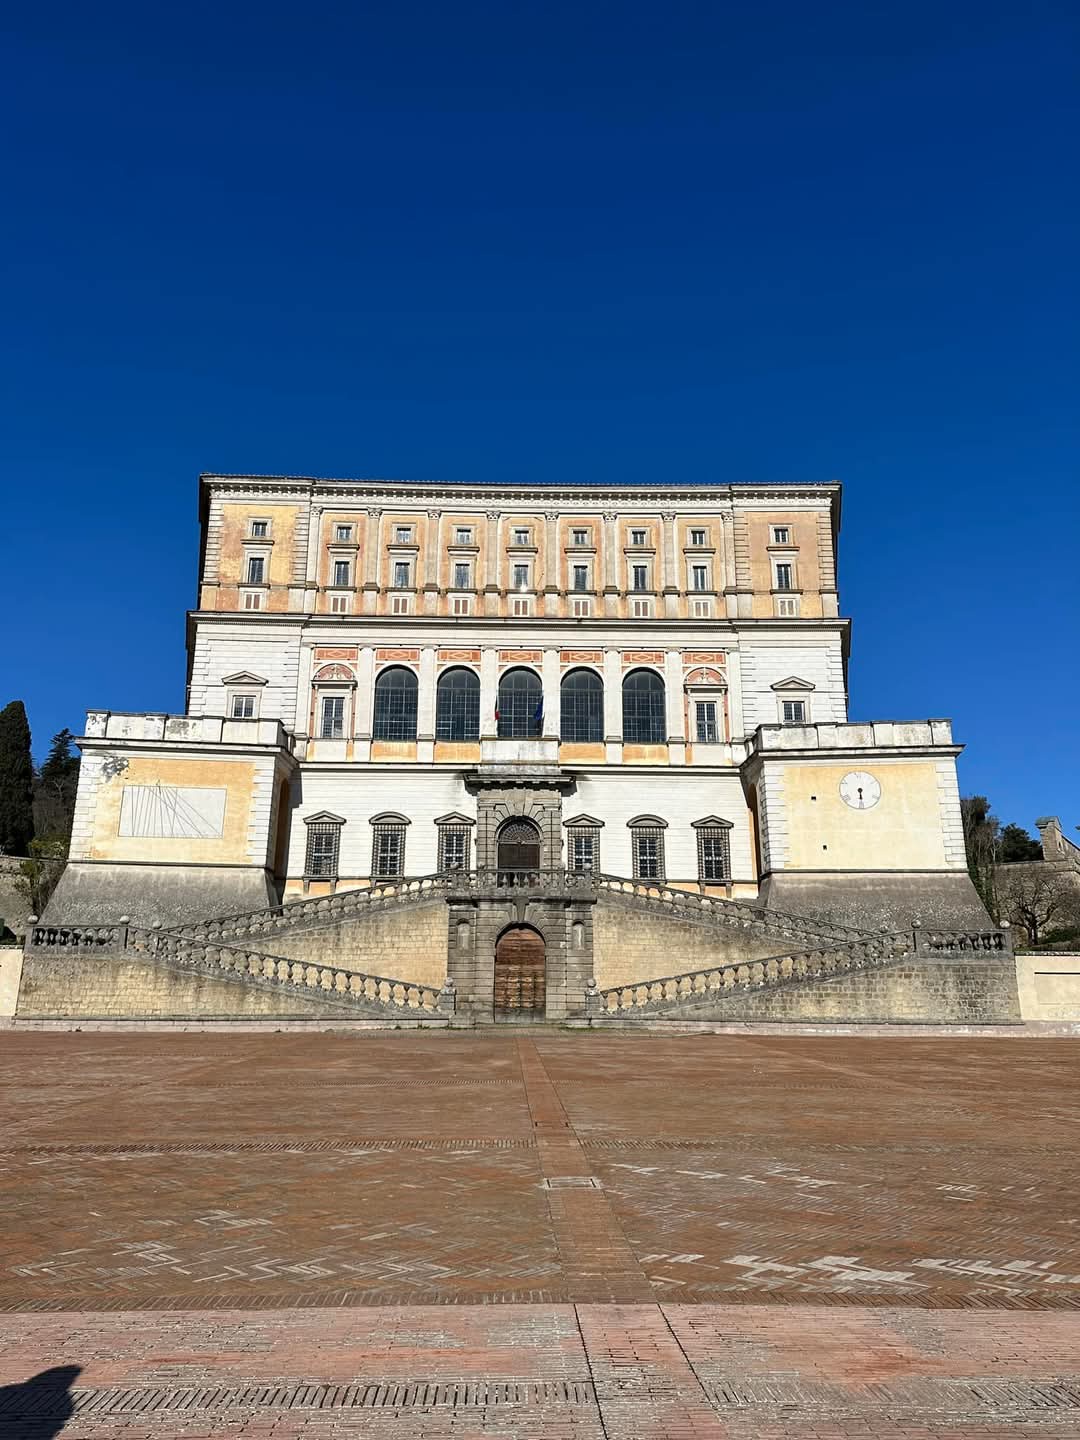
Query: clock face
{"type": "Point", "coordinates": [860, 790]}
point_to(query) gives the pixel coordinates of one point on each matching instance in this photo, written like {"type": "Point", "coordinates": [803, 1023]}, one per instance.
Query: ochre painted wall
{"type": "Point", "coordinates": [903, 831]}
{"type": "Point", "coordinates": [235, 777]}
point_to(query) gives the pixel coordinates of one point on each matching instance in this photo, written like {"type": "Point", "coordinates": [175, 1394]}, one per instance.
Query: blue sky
{"type": "Point", "coordinates": [489, 242]}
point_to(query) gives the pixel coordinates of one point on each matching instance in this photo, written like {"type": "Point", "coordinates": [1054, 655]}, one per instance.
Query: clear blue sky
{"type": "Point", "coordinates": [562, 241]}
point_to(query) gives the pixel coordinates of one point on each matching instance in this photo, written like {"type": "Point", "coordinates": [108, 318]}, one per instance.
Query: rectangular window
{"type": "Point", "coordinates": [243, 707]}
{"type": "Point", "coordinates": [462, 576]}
{"type": "Point", "coordinates": [343, 532]}
{"type": "Point", "coordinates": [699, 537]}
{"type": "Point", "coordinates": [521, 577]}
{"type": "Point", "coordinates": [332, 722]}
{"type": "Point", "coordinates": [400, 604]}
{"type": "Point", "coordinates": [705, 722]}
{"type": "Point", "coordinates": [341, 572]}
{"type": "Point", "coordinates": [785, 575]}
{"type": "Point", "coordinates": [714, 855]}
{"type": "Point", "coordinates": [639, 577]}
{"type": "Point", "coordinates": [402, 572]}
{"type": "Point", "coordinates": [581, 577]}
{"type": "Point", "coordinates": [581, 609]}
{"type": "Point", "coordinates": [403, 534]}
{"type": "Point", "coordinates": [699, 577]}
{"type": "Point", "coordinates": [794, 712]}
{"type": "Point", "coordinates": [323, 844]}
{"type": "Point", "coordinates": [787, 606]}
{"type": "Point", "coordinates": [461, 604]}
{"type": "Point", "coordinates": [781, 535]}
{"type": "Point", "coordinates": [453, 847]}
{"type": "Point", "coordinates": [521, 537]}
{"type": "Point", "coordinates": [638, 537]}
{"type": "Point", "coordinates": [260, 529]}
{"type": "Point", "coordinates": [580, 537]}
{"type": "Point", "coordinates": [521, 605]}
{"type": "Point", "coordinates": [463, 535]}
{"type": "Point", "coordinates": [388, 852]}
{"type": "Point", "coordinates": [252, 601]}
{"type": "Point", "coordinates": [584, 848]}
{"type": "Point", "coordinates": [648, 854]}
{"type": "Point", "coordinates": [701, 609]}
{"type": "Point", "coordinates": [256, 569]}
{"type": "Point", "coordinates": [641, 609]}
{"type": "Point", "coordinates": [339, 604]}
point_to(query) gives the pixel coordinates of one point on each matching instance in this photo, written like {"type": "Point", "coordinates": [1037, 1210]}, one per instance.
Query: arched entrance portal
{"type": "Point", "coordinates": [520, 962]}
{"type": "Point", "coordinates": [518, 846]}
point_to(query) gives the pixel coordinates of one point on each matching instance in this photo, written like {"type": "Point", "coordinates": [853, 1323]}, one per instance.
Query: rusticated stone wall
{"type": "Point", "coordinates": [404, 944]}
{"type": "Point", "coordinates": [72, 986]}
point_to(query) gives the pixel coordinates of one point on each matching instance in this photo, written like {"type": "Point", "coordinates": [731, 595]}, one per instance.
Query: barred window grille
{"type": "Point", "coordinates": [323, 847]}
{"type": "Point", "coordinates": [521, 705]}
{"type": "Point", "coordinates": [584, 851]}
{"type": "Point", "coordinates": [648, 847]}
{"type": "Point", "coordinates": [644, 720]}
{"type": "Point", "coordinates": [453, 847]}
{"type": "Point", "coordinates": [714, 854]}
{"type": "Point", "coordinates": [388, 851]}
{"type": "Point", "coordinates": [395, 705]}
{"type": "Point", "coordinates": [582, 704]}
{"type": "Point", "coordinates": [457, 705]}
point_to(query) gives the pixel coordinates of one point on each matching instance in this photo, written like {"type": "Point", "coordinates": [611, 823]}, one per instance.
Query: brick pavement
{"type": "Point", "coordinates": [544, 1234]}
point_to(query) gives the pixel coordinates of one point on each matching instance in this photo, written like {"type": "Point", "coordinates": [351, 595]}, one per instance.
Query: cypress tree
{"type": "Point", "coordinates": [16, 780]}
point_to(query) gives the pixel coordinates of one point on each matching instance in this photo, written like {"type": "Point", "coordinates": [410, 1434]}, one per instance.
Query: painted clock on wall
{"type": "Point", "coordinates": [860, 790]}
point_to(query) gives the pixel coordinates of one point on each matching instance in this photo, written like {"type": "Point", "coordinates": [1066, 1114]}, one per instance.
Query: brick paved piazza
{"type": "Point", "coordinates": [548, 1234]}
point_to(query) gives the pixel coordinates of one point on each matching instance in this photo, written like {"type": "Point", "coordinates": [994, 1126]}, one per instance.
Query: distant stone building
{"type": "Point", "coordinates": [530, 694]}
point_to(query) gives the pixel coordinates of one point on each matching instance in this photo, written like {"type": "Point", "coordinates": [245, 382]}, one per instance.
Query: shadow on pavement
{"type": "Point", "coordinates": [40, 1407]}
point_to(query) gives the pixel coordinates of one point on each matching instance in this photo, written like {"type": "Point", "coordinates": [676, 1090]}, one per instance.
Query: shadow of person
{"type": "Point", "coordinates": [40, 1407]}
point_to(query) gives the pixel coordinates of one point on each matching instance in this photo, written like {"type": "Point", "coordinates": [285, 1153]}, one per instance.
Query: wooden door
{"type": "Point", "coordinates": [519, 975]}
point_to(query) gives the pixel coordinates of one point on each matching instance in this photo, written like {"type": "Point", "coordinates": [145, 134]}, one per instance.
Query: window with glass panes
{"type": "Point", "coordinates": [714, 853]}
{"type": "Point", "coordinates": [260, 529]}
{"type": "Point", "coordinates": [323, 846]}
{"type": "Point", "coordinates": [457, 705]}
{"type": "Point", "coordinates": [706, 728]}
{"type": "Point", "coordinates": [699, 577]}
{"type": "Point", "coordinates": [521, 577]}
{"type": "Point", "coordinates": [639, 577]}
{"type": "Point", "coordinates": [256, 569]}
{"type": "Point", "coordinates": [785, 576]}
{"type": "Point", "coordinates": [243, 707]}
{"type": "Point", "coordinates": [583, 850]}
{"type": "Point", "coordinates": [794, 712]}
{"type": "Point", "coordinates": [332, 717]}
{"type": "Point", "coordinates": [395, 705]}
{"type": "Point", "coordinates": [581, 577]}
{"type": "Point", "coordinates": [388, 851]}
{"type": "Point", "coordinates": [644, 720]}
{"type": "Point", "coordinates": [521, 705]}
{"type": "Point", "coordinates": [341, 572]}
{"type": "Point", "coordinates": [402, 572]}
{"type": "Point", "coordinates": [648, 847]}
{"type": "Point", "coordinates": [462, 575]}
{"type": "Point", "coordinates": [581, 698]}
{"type": "Point", "coordinates": [453, 847]}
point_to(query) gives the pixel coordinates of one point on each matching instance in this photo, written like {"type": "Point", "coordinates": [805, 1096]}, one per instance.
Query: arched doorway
{"type": "Point", "coordinates": [517, 847]}
{"type": "Point", "coordinates": [520, 965]}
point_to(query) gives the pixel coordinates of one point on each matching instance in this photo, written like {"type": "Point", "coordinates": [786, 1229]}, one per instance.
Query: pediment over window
{"type": "Point", "coordinates": [389, 817]}
{"type": "Point", "coordinates": [583, 822]}
{"type": "Point", "coordinates": [334, 674]}
{"type": "Point", "coordinates": [455, 819]}
{"type": "Point", "coordinates": [325, 817]}
{"type": "Point", "coordinates": [244, 677]}
{"type": "Point", "coordinates": [712, 822]}
{"type": "Point", "coordinates": [792, 683]}
{"type": "Point", "coordinates": [651, 821]}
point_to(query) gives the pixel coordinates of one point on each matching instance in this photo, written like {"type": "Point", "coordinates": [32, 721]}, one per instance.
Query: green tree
{"type": "Point", "coordinates": [981, 832]}
{"type": "Point", "coordinates": [1017, 844]}
{"type": "Point", "coordinates": [16, 781]}
{"type": "Point", "coordinates": [55, 787]}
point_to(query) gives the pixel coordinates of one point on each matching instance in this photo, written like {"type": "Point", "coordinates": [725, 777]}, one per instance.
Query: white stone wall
{"type": "Point", "coordinates": [815, 658]}
{"type": "Point", "coordinates": [271, 652]}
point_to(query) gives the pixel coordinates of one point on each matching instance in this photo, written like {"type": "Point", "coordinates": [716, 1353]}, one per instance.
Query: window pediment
{"type": "Point", "coordinates": [653, 821]}
{"type": "Point", "coordinates": [712, 822]}
{"type": "Point", "coordinates": [244, 677]}
{"type": "Point", "coordinates": [325, 817]}
{"type": "Point", "coordinates": [389, 817]}
{"type": "Point", "coordinates": [455, 818]}
{"type": "Point", "coordinates": [583, 822]}
{"type": "Point", "coordinates": [793, 682]}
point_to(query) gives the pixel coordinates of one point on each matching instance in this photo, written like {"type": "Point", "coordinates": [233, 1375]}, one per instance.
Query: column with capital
{"type": "Point", "coordinates": [491, 564]}
{"type": "Point", "coordinates": [670, 562]}
{"type": "Point", "coordinates": [425, 706]}
{"type": "Point", "coordinates": [372, 552]}
{"type": "Point", "coordinates": [676, 707]}
{"type": "Point", "coordinates": [613, 706]}
{"type": "Point", "coordinates": [731, 589]}
{"type": "Point", "coordinates": [551, 564]}
{"type": "Point", "coordinates": [310, 578]}
{"type": "Point", "coordinates": [611, 565]}
{"type": "Point", "coordinates": [431, 564]}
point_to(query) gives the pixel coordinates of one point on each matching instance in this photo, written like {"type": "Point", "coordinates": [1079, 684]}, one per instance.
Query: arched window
{"type": "Point", "coordinates": [643, 720]}
{"type": "Point", "coordinates": [520, 711]}
{"type": "Point", "coordinates": [582, 705]}
{"type": "Point", "coordinates": [518, 845]}
{"type": "Point", "coordinates": [395, 705]}
{"type": "Point", "coordinates": [457, 705]}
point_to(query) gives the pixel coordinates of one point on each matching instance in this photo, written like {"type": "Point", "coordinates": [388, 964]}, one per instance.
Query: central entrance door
{"type": "Point", "coordinates": [520, 957]}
